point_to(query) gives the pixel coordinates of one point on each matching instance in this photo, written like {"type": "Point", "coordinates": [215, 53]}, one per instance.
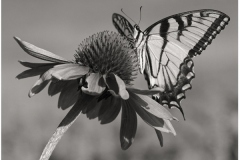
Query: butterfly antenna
{"type": "Point", "coordinates": [140, 15]}
{"type": "Point", "coordinates": [128, 16]}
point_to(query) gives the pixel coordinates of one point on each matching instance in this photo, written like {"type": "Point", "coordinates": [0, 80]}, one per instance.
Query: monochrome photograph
{"type": "Point", "coordinates": [119, 80]}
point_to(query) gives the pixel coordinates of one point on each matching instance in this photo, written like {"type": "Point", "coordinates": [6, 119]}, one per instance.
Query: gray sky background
{"type": "Point", "coordinates": [59, 26]}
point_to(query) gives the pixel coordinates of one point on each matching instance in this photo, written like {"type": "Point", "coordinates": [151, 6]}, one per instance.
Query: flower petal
{"type": "Point", "coordinates": [92, 106]}
{"type": "Point", "coordinates": [95, 85]}
{"type": "Point", "coordinates": [128, 125]}
{"type": "Point", "coordinates": [160, 124]}
{"type": "Point", "coordinates": [62, 128]}
{"type": "Point", "coordinates": [36, 69]}
{"type": "Point", "coordinates": [151, 106]}
{"type": "Point", "coordinates": [160, 137]}
{"type": "Point", "coordinates": [39, 53]}
{"type": "Point", "coordinates": [69, 71]}
{"type": "Point", "coordinates": [153, 91]}
{"type": "Point", "coordinates": [116, 85]}
{"type": "Point", "coordinates": [36, 65]}
{"type": "Point", "coordinates": [86, 101]}
{"type": "Point", "coordinates": [168, 124]}
{"type": "Point", "coordinates": [69, 94]}
{"type": "Point", "coordinates": [41, 83]}
{"type": "Point", "coordinates": [109, 110]}
{"type": "Point", "coordinates": [31, 73]}
{"type": "Point", "coordinates": [56, 87]}
{"type": "Point", "coordinates": [93, 113]}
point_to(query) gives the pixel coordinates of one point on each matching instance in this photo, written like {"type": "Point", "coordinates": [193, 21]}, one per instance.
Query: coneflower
{"type": "Point", "coordinates": [96, 83]}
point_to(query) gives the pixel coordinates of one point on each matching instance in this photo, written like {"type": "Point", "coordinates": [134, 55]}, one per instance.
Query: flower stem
{"type": "Point", "coordinates": [53, 141]}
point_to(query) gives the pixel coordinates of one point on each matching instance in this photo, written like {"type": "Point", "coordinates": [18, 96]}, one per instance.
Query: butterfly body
{"type": "Point", "coordinates": [165, 49]}
{"type": "Point", "coordinates": [139, 46]}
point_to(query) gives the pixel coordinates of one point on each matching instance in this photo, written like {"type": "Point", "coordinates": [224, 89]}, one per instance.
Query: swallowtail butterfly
{"type": "Point", "coordinates": [165, 49]}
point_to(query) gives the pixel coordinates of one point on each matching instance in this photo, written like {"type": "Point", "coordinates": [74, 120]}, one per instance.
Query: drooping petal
{"type": "Point", "coordinates": [41, 83]}
{"type": "Point", "coordinates": [93, 105]}
{"type": "Point", "coordinates": [109, 110]}
{"type": "Point", "coordinates": [160, 137]}
{"type": "Point", "coordinates": [88, 101]}
{"type": "Point", "coordinates": [56, 87]}
{"type": "Point", "coordinates": [36, 69]}
{"type": "Point", "coordinates": [39, 53]}
{"type": "Point", "coordinates": [62, 128]}
{"type": "Point", "coordinates": [69, 71]}
{"type": "Point", "coordinates": [168, 124]}
{"type": "Point", "coordinates": [116, 85]}
{"type": "Point", "coordinates": [36, 65]}
{"type": "Point", "coordinates": [145, 92]}
{"type": "Point", "coordinates": [151, 106]}
{"type": "Point", "coordinates": [160, 124]}
{"type": "Point", "coordinates": [31, 73]}
{"type": "Point", "coordinates": [128, 125]}
{"type": "Point", "coordinates": [93, 113]}
{"type": "Point", "coordinates": [69, 94]}
{"type": "Point", "coordinates": [106, 105]}
{"type": "Point", "coordinates": [95, 85]}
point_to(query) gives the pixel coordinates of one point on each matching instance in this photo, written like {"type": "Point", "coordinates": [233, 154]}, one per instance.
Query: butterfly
{"type": "Point", "coordinates": [166, 48]}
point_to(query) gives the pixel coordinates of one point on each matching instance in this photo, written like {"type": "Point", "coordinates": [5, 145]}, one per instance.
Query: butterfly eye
{"type": "Point", "coordinates": [137, 27]}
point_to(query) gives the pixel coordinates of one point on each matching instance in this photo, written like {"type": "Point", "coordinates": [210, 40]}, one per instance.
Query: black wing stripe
{"type": "Point", "coordinates": [164, 28]}
{"type": "Point", "coordinates": [180, 25]}
{"type": "Point", "coordinates": [167, 79]}
{"type": "Point", "coordinates": [180, 22]}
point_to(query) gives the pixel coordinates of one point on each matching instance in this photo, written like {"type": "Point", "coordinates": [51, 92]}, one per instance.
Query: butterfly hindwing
{"type": "Point", "coordinates": [172, 97]}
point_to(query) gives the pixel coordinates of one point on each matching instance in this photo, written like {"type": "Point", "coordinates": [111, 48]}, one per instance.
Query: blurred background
{"type": "Point", "coordinates": [211, 107]}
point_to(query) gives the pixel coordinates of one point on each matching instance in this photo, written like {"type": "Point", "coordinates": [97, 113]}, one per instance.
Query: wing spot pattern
{"type": "Point", "coordinates": [180, 96]}
{"type": "Point", "coordinates": [186, 87]}
{"type": "Point", "coordinates": [190, 75]}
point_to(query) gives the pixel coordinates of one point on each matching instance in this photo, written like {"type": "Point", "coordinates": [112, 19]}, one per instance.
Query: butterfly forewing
{"type": "Point", "coordinates": [123, 26]}
{"type": "Point", "coordinates": [195, 29]}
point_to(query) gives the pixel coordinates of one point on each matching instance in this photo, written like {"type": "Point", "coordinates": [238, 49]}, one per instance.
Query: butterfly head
{"type": "Point", "coordinates": [137, 28]}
